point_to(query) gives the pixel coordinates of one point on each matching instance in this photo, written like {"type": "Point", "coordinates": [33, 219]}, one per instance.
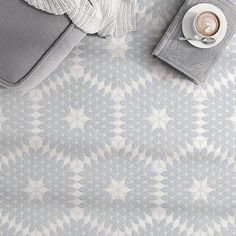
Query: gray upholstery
{"type": "Point", "coordinates": [30, 38]}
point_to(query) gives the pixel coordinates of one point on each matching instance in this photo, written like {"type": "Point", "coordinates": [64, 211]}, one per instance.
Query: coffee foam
{"type": "Point", "coordinates": [207, 23]}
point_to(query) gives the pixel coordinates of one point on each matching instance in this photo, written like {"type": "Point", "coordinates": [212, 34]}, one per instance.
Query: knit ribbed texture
{"type": "Point", "coordinates": [53, 6]}
{"type": "Point", "coordinates": [108, 10]}
{"type": "Point", "coordinates": [126, 17]}
{"type": "Point", "coordinates": [106, 17]}
{"type": "Point", "coordinates": [86, 17]}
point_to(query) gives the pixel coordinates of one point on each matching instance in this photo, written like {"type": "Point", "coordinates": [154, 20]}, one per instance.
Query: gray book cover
{"type": "Point", "coordinates": [194, 62]}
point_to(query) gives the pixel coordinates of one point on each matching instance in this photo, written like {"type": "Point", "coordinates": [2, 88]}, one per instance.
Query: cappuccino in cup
{"type": "Point", "coordinates": [206, 24]}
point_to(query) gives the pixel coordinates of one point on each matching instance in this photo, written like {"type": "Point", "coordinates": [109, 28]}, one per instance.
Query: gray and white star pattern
{"type": "Point", "coordinates": [114, 142]}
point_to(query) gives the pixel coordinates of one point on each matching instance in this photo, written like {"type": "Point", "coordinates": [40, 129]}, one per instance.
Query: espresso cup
{"type": "Point", "coordinates": [207, 24]}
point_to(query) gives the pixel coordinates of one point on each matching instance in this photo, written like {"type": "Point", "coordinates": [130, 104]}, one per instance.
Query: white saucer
{"type": "Point", "coordinates": [187, 24]}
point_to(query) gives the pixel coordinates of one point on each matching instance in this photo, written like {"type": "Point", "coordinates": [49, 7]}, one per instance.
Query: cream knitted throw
{"type": "Point", "coordinates": [105, 17]}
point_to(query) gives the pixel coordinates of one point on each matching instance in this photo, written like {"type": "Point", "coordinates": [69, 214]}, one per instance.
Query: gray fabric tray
{"type": "Point", "coordinates": [194, 62]}
{"type": "Point", "coordinates": [32, 43]}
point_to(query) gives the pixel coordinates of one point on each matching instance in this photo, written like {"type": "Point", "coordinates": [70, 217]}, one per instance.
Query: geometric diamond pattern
{"type": "Point", "coordinates": [114, 142]}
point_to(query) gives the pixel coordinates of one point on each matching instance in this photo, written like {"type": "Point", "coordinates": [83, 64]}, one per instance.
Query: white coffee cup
{"type": "Point", "coordinates": [207, 24]}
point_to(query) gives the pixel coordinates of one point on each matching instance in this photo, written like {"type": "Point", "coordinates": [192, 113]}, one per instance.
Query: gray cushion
{"type": "Point", "coordinates": [31, 38]}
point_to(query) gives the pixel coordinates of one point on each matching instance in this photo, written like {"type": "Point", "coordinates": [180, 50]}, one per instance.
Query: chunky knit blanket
{"type": "Point", "coordinates": [105, 17]}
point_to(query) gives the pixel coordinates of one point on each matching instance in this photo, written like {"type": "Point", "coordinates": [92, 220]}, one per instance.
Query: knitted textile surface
{"type": "Point", "coordinates": [53, 6]}
{"type": "Point", "coordinates": [105, 17]}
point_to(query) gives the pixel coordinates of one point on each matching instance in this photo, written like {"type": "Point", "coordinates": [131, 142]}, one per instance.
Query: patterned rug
{"type": "Point", "coordinates": [115, 143]}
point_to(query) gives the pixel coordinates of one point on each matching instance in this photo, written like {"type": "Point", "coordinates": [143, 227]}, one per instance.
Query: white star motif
{"type": "Point", "coordinates": [77, 118]}
{"type": "Point", "coordinates": [159, 119]}
{"type": "Point", "coordinates": [118, 189]}
{"type": "Point", "coordinates": [35, 190]}
{"type": "Point", "coordinates": [200, 190]}
{"type": "Point", "coordinates": [200, 142]}
{"type": "Point", "coordinates": [200, 93]}
{"type": "Point", "coordinates": [118, 47]}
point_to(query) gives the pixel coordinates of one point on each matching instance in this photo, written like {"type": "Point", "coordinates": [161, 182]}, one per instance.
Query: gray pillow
{"type": "Point", "coordinates": [32, 43]}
